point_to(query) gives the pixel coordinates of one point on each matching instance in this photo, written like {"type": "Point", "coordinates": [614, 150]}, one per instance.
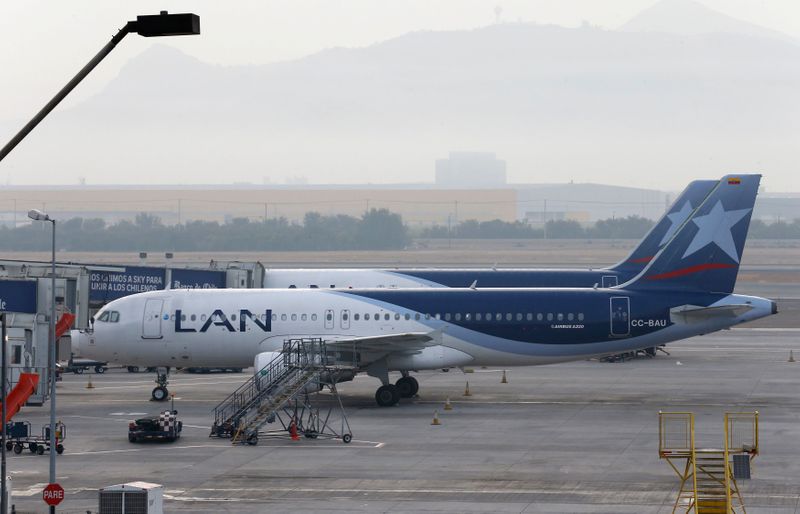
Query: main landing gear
{"type": "Point", "coordinates": [160, 392]}
{"type": "Point", "coordinates": [389, 394]}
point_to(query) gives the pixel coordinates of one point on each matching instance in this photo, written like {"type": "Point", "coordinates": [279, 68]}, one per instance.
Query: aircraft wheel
{"type": "Point", "coordinates": [387, 395]}
{"type": "Point", "coordinates": [78, 371]}
{"type": "Point", "coordinates": [133, 369]}
{"type": "Point", "coordinates": [347, 438]}
{"type": "Point", "coordinates": [407, 387]}
{"type": "Point", "coordinates": [99, 369]}
{"type": "Point", "coordinates": [160, 394]}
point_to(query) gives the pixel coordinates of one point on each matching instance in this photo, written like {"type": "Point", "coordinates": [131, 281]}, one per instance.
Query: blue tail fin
{"type": "Point", "coordinates": [657, 237]}
{"type": "Point", "coordinates": [704, 253]}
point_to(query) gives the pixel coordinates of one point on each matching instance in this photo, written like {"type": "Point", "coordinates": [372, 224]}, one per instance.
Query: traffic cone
{"type": "Point", "coordinates": [436, 418]}
{"type": "Point", "coordinates": [466, 390]}
{"type": "Point", "coordinates": [447, 404]}
{"type": "Point", "coordinates": [293, 431]}
{"type": "Point", "coordinates": [504, 380]}
{"type": "Point", "coordinates": [89, 385]}
{"type": "Point", "coordinates": [791, 356]}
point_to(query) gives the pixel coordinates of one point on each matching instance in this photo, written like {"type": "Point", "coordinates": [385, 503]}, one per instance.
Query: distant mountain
{"type": "Point", "coordinates": [651, 109]}
{"type": "Point", "coordinates": [688, 17]}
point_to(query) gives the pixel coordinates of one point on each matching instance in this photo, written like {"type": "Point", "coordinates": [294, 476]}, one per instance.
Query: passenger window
{"type": "Point", "coordinates": [313, 286]}
{"type": "Point", "coordinates": [438, 316]}
{"type": "Point", "coordinates": [408, 316]}
{"type": "Point", "coordinates": [274, 317]}
{"type": "Point", "coordinates": [344, 316]}
{"type": "Point", "coordinates": [488, 316]}
{"type": "Point", "coordinates": [193, 317]}
{"type": "Point", "coordinates": [498, 317]}
{"type": "Point", "coordinates": [333, 286]}
{"type": "Point", "coordinates": [313, 317]}
{"type": "Point", "coordinates": [396, 316]}
{"type": "Point", "coordinates": [366, 317]}
{"type": "Point", "coordinates": [233, 317]}
{"type": "Point", "coordinates": [113, 317]}
{"type": "Point", "coordinates": [294, 317]}
{"type": "Point", "coordinates": [580, 316]}
{"type": "Point", "coordinates": [458, 316]}
{"type": "Point", "coordinates": [203, 317]}
{"type": "Point", "coordinates": [529, 316]}
{"type": "Point", "coordinates": [570, 316]}
{"type": "Point", "coordinates": [183, 317]}
{"type": "Point", "coordinates": [356, 316]}
{"type": "Point", "coordinates": [172, 317]}
{"type": "Point", "coordinates": [447, 316]}
{"type": "Point", "coordinates": [386, 316]}
{"type": "Point", "coordinates": [519, 316]}
{"type": "Point", "coordinates": [467, 316]}
{"type": "Point", "coordinates": [292, 286]}
{"type": "Point", "coordinates": [428, 316]}
{"type": "Point", "coordinates": [549, 316]}
{"type": "Point", "coordinates": [304, 317]}
{"type": "Point", "coordinates": [329, 316]}
{"type": "Point", "coordinates": [539, 316]}
{"type": "Point", "coordinates": [416, 316]}
{"type": "Point", "coordinates": [283, 317]}
{"type": "Point", "coordinates": [560, 316]}
{"type": "Point", "coordinates": [478, 316]}
{"type": "Point", "coordinates": [508, 316]}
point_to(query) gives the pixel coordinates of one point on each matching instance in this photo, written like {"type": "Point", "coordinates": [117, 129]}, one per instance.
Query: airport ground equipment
{"type": "Point", "coordinates": [78, 366]}
{"type": "Point", "coordinates": [166, 427]}
{"type": "Point", "coordinates": [26, 386]}
{"type": "Point", "coordinates": [282, 392]}
{"type": "Point", "coordinates": [707, 477]}
{"type": "Point", "coordinates": [132, 498]}
{"type": "Point", "coordinates": [20, 437]}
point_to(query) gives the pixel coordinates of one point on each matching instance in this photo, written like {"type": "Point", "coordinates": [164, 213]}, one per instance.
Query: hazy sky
{"type": "Point", "coordinates": [45, 42]}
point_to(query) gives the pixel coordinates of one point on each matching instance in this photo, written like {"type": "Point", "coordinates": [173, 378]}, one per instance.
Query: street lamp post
{"type": "Point", "coordinates": [38, 215]}
{"type": "Point", "coordinates": [163, 24]}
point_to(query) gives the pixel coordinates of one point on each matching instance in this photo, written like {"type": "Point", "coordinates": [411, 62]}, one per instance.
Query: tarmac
{"type": "Point", "coordinates": [576, 437]}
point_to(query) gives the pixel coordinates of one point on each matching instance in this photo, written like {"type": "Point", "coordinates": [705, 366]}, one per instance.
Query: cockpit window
{"type": "Point", "coordinates": [113, 316]}
{"type": "Point", "coordinates": [103, 316]}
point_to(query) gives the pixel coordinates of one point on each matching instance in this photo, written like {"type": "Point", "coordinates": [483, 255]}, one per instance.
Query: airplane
{"type": "Point", "coordinates": [621, 272]}
{"type": "Point", "coordinates": [684, 291]}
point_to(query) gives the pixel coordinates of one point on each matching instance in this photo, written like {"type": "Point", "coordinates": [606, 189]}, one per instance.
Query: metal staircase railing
{"type": "Point", "coordinates": [261, 398]}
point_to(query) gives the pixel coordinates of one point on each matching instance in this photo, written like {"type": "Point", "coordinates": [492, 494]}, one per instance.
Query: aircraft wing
{"type": "Point", "coordinates": [696, 313]}
{"type": "Point", "coordinates": [390, 343]}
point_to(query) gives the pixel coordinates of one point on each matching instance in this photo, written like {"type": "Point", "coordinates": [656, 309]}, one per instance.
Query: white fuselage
{"type": "Point", "coordinates": [146, 332]}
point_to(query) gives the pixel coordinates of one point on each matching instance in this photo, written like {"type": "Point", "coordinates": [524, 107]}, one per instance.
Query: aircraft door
{"type": "Point", "coordinates": [345, 319]}
{"type": "Point", "coordinates": [151, 322]}
{"type": "Point", "coordinates": [609, 280]}
{"type": "Point", "coordinates": [620, 316]}
{"type": "Point", "coordinates": [329, 319]}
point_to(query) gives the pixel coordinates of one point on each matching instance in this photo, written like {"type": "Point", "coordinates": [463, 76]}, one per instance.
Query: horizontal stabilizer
{"type": "Point", "coordinates": [408, 342]}
{"type": "Point", "coordinates": [696, 314]}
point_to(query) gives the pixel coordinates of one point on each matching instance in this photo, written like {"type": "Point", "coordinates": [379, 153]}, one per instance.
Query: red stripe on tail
{"type": "Point", "coordinates": [690, 270]}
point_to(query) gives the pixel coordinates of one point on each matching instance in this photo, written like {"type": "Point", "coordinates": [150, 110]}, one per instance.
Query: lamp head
{"type": "Point", "coordinates": [165, 24]}
{"type": "Point", "coordinates": [37, 215]}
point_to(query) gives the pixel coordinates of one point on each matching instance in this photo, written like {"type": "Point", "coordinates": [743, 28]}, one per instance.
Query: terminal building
{"type": "Point", "coordinates": [80, 291]}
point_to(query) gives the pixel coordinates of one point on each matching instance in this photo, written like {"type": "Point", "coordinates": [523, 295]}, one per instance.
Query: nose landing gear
{"type": "Point", "coordinates": [160, 392]}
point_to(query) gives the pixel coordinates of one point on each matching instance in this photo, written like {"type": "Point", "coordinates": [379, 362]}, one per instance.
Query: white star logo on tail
{"type": "Point", "coordinates": [715, 227]}
{"type": "Point", "coordinates": [676, 218]}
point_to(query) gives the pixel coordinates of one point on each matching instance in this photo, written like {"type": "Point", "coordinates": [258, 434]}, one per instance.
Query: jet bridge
{"type": "Point", "coordinates": [282, 392]}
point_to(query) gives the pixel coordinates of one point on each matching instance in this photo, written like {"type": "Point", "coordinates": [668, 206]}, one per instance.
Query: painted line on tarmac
{"type": "Point", "coordinates": [768, 329]}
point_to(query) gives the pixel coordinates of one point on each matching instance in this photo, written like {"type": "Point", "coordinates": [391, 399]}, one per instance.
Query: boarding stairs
{"type": "Point", "coordinates": [282, 391]}
{"type": "Point", "coordinates": [707, 481]}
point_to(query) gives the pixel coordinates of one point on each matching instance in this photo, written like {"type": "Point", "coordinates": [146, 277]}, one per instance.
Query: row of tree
{"type": "Point", "coordinates": [377, 229]}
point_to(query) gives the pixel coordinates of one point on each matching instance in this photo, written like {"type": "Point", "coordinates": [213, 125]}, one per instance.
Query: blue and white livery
{"type": "Point", "coordinates": [684, 291]}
